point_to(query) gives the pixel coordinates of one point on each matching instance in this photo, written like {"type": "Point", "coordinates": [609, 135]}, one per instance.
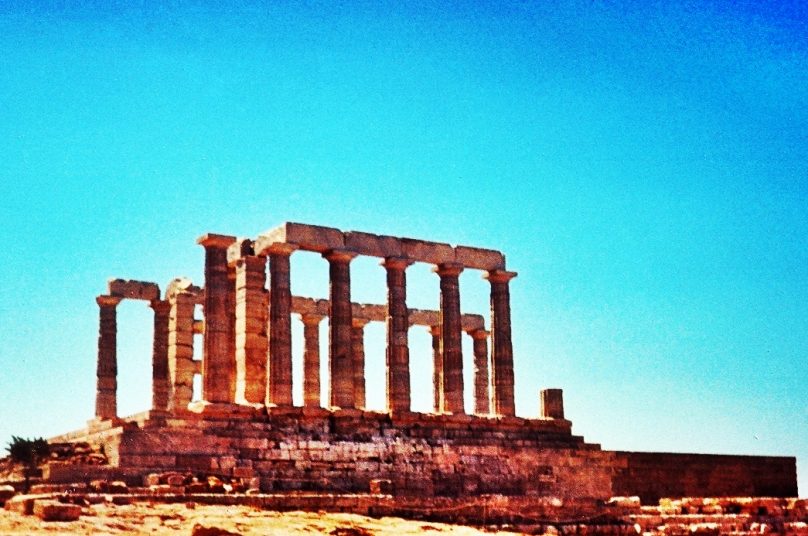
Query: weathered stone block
{"type": "Point", "coordinates": [48, 510]}
{"type": "Point", "coordinates": [479, 258]}
{"type": "Point", "coordinates": [6, 492]}
{"type": "Point", "coordinates": [308, 237]}
{"type": "Point", "coordinates": [373, 245]}
{"type": "Point", "coordinates": [133, 290]}
{"type": "Point", "coordinates": [430, 252]}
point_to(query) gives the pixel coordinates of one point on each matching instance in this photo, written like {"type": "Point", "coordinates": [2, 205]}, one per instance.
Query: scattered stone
{"type": "Point", "coordinates": [23, 504]}
{"type": "Point", "coordinates": [201, 530]}
{"type": "Point", "coordinates": [6, 492]}
{"type": "Point", "coordinates": [48, 510]}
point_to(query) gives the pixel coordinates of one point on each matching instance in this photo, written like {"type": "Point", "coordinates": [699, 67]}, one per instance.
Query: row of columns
{"type": "Point", "coordinates": [243, 320]}
{"type": "Point", "coordinates": [346, 369]}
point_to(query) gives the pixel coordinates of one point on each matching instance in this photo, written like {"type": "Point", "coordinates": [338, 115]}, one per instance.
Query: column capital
{"type": "Point", "coordinates": [264, 248]}
{"type": "Point", "coordinates": [448, 269]}
{"type": "Point", "coordinates": [434, 330]}
{"type": "Point", "coordinates": [499, 276]}
{"type": "Point", "coordinates": [396, 263]}
{"type": "Point", "coordinates": [251, 261]}
{"type": "Point", "coordinates": [478, 333]}
{"type": "Point", "coordinates": [311, 319]}
{"type": "Point", "coordinates": [339, 255]}
{"type": "Point", "coordinates": [108, 301]}
{"type": "Point", "coordinates": [211, 240]}
{"type": "Point", "coordinates": [160, 306]}
{"type": "Point", "coordinates": [359, 322]}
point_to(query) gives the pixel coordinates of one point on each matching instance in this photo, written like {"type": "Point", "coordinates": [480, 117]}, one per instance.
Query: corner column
{"type": "Point", "coordinates": [437, 369]}
{"type": "Point", "coordinates": [398, 353]}
{"type": "Point", "coordinates": [311, 360]}
{"type": "Point", "coordinates": [251, 330]}
{"type": "Point", "coordinates": [181, 365]}
{"type": "Point", "coordinates": [106, 394]}
{"type": "Point", "coordinates": [502, 348]}
{"type": "Point", "coordinates": [482, 397]}
{"type": "Point", "coordinates": [339, 328]}
{"type": "Point", "coordinates": [218, 366]}
{"type": "Point", "coordinates": [451, 343]}
{"type": "Point", "coordinates": [160, 385]}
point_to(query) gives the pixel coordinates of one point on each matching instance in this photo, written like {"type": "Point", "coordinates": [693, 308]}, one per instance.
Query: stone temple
{"type": "Point", "coordinates": [246, 424]}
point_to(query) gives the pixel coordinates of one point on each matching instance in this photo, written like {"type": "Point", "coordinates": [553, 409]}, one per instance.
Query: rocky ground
{"type": "Point", "coordinates": [191, 519]}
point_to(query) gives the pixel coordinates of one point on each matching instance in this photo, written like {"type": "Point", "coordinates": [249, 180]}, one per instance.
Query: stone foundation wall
{"type": "Point", "coordinates": [341, 452]}
{"type": "Point", "coordinates": [652, 475]}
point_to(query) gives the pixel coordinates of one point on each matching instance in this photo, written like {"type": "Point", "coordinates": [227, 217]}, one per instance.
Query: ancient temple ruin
{"type": "Point", "coordinates": [246, 423]}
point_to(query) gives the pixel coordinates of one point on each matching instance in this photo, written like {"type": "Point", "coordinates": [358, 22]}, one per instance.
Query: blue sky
{"type": "Point", "coordinates": [644, 166]}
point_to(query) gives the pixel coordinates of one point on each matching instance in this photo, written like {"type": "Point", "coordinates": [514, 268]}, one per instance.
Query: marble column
{"type": "Point", "coordinates": [451, 343]}
{"type": "Point", "coordinates": [251, 330]}
{"type": "Point", "coordinates": [339, 328]}
{"type": "Point", "coordinates": [311, 360]}
{"type": "Point", "coordinates": [230, 306]}
{"type": "Point", "coordinates": [482, 395]}
{"type": "Point", "coordinates": [218, 366]}
{"type": "Point", "coordinates": [398, 353]}
{"type": "Point", "coordinates": [437, 369]}
{"type": "Point", "coordinates": [279, 388]}
{"type": "Point", "coordinates": [358, 356]}
{"type": "Point", "coordinates": [106, 395]}
{"type": "Point", "coordinates": [502, 348]}
{"type": "Point", "coordinates": [160, 385]}
{"type": "Point", "coordinates": [181, 365]}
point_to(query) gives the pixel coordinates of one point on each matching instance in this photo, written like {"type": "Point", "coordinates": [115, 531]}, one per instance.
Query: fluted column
{"type": "Point", "coordinates": [160, 386]}
{"type": "Point", "coordinates": [181, 366]}
{"type": "Point", "coordinates": [358, 355]}
{"type": "Point", "coordinates": [218, 366]}
{"type": "Point", "coordinates": [398, 353]}
{"type": "Point", "coordinates": [311, 360]}
{"type": "Point", "coordinates": [339, 328]}
{"type": "Point", "coordinates": [279, 389]}
{"type": "Point", "coordinates": [482, 396]}
{"type": "Point", "coordinates": [451, 343]}
{"type": "Point", "coordinates": [437, 368]}
{"type": "Point", "coordinates": [251, 330]}
{"type": "Point", "coordinates": [106, 394]}
{"type": "Point", "coordinates": [502, 348]}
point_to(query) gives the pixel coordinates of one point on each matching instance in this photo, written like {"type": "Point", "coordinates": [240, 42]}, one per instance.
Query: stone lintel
{"type": "Point", "coordinates": [308, 237]}
{"type": "Point", "coordinates": [479, 258]}
{"type": "Point", "coordinates": [429, 252]}
{"type": "Point", "coordinates": [108, 301]}
{"type": "Point", "coordinates": [133, 290]}
{"type": "Point", "coordinates": [373, 245]}
{"type": "Point", "coordinates": [499, 276]}
{"type": "Point", "coordinates": [242, 247]}
{"type": "Point", "coordinates": [211, 240]}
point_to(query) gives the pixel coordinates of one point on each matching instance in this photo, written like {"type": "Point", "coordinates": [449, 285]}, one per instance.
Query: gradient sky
{"type": "Point", "coordinates": [644, 166]}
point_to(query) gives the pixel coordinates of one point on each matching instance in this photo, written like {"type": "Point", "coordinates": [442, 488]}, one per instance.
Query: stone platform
{"type": "Point", "coordinates": [342, 451]}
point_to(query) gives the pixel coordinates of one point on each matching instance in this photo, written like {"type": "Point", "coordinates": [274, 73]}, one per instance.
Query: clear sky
{"type": "Point", "coordinates": [643, 165]}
